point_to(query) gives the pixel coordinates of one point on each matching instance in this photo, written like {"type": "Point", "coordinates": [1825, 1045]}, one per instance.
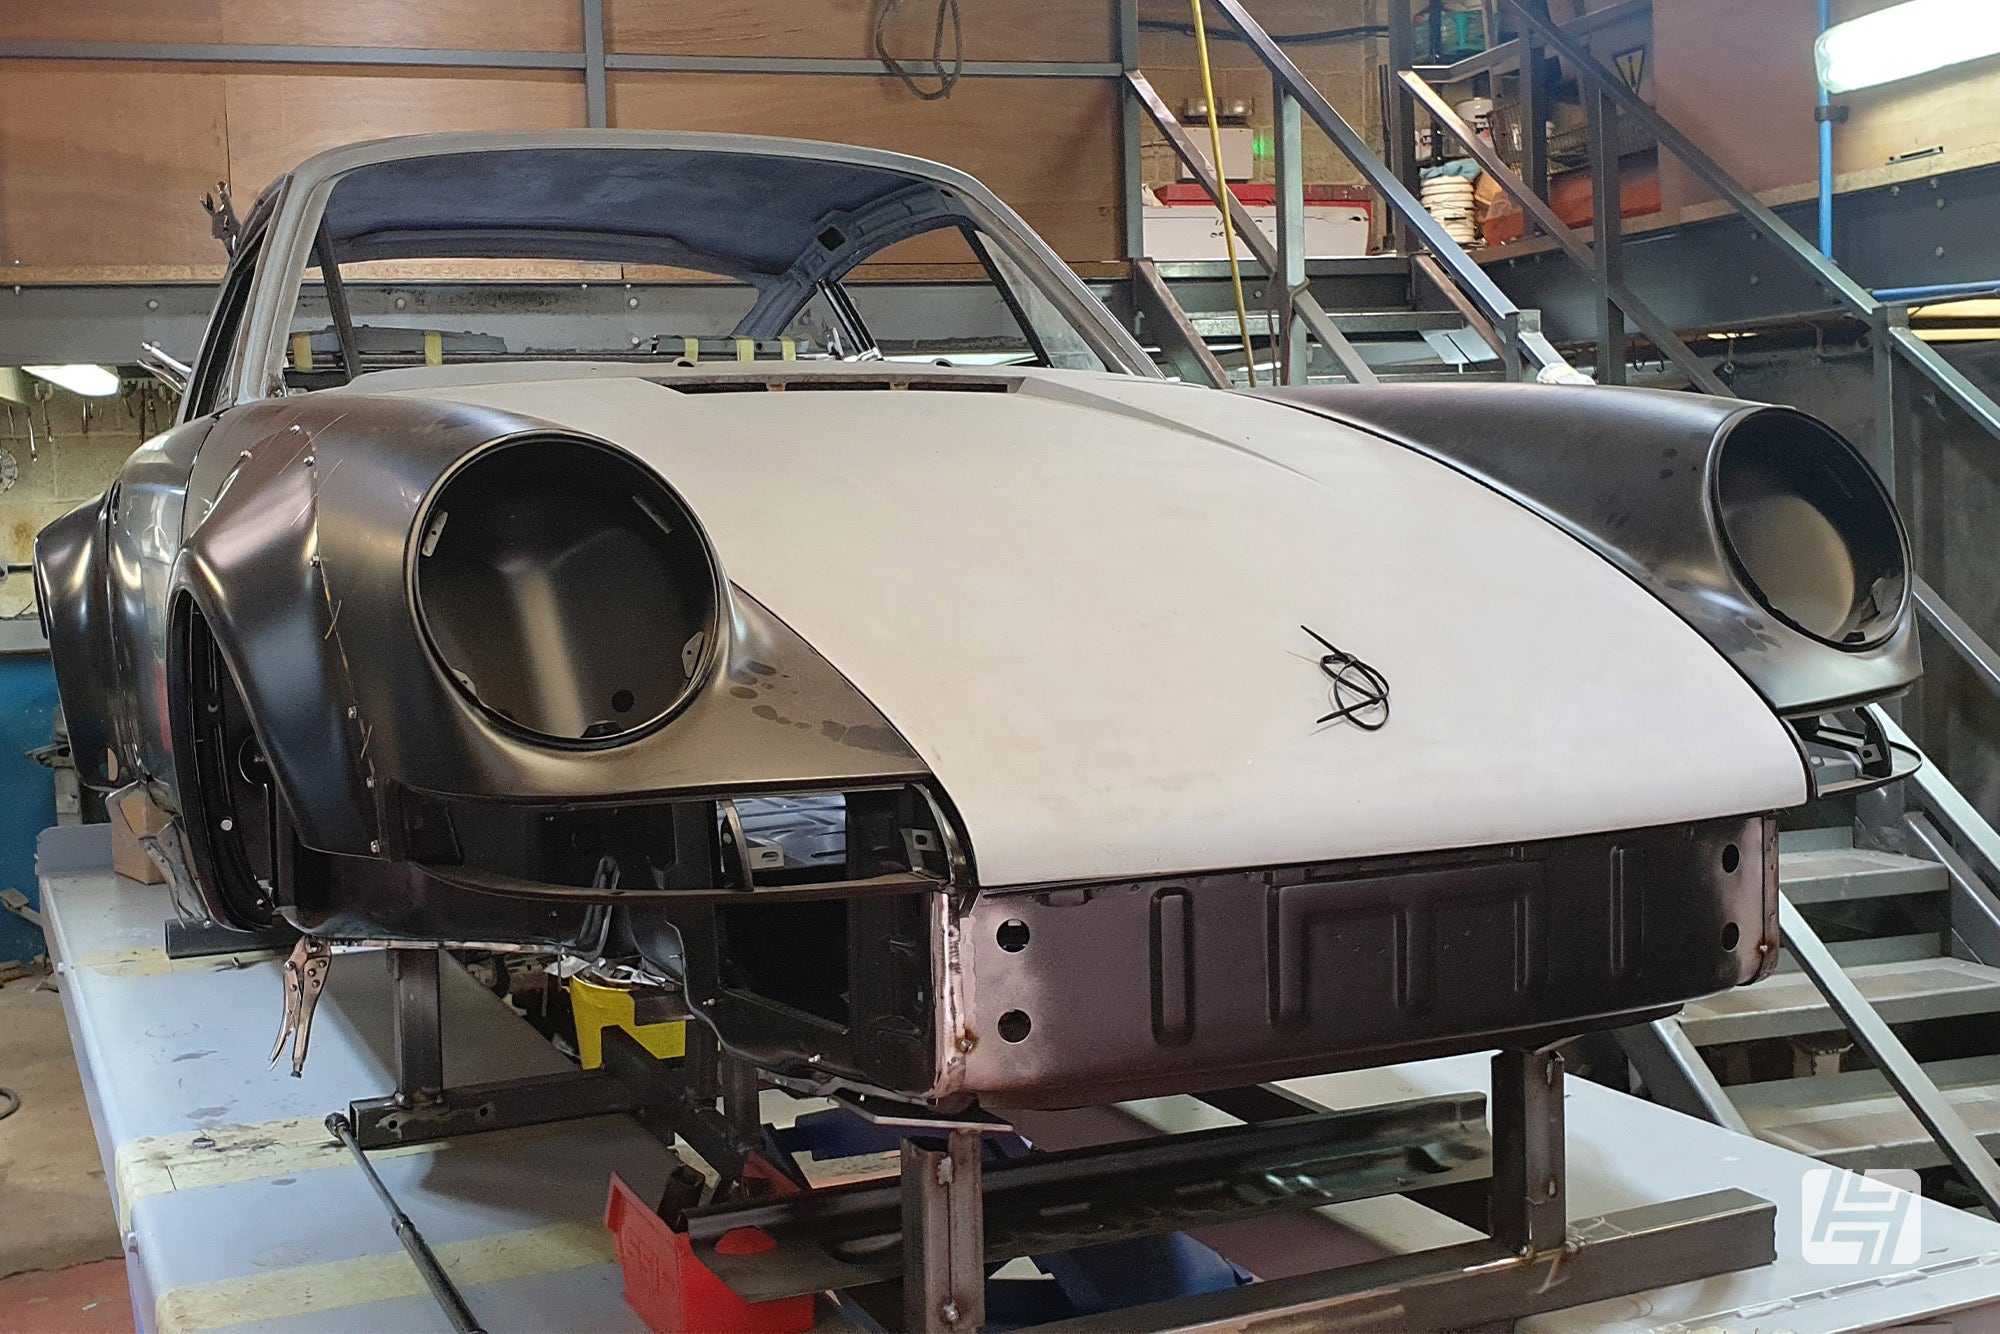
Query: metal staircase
{"type": "Point", "coordinates": [1877, 1041]}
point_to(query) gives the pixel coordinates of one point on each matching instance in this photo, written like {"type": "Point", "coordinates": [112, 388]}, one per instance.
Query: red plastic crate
{"type": "Point", "coordinates": [674, 1293]}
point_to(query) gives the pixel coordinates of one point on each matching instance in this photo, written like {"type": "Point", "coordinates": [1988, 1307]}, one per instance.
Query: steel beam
{"type": "Point", "coordinates": [1478, 1283]}
{"type": "Point", "coordinates": [1654, 328]}
{"type": "Point", "coordinates": [1131, 136]}
{"type": "Point", "coordinates": [382, 1123]}
{"type": "Point", "coordinates": [845, 1236]}
{"type": "Point", "coordinates": [1288, 155]}
{"type": "Point", "coordinates": [461, 58]}
{"type": "Point", "coordinates": [944, 1235]}
{"type": "Point", "coordinates": [1958, 633]}
{"type": "Point", "coordinates": [1164, 321]}
{"type": "Point", "coordinates": [595, 113]}
{"type": "Point", "coordinates": [285, 54]}
{"type": "Point", "coordinates": [1253, 237]}
{"type": "Point", "coordinates": [1399, 126]}
{"type": "Point", "coordinates": [419, 1033]}
{"type": "Point", "coordinates": [1527, 1213]}
{"type": "Point", "coordinates": [1608, 234]}
{"type": "Point", "coordinates": [1586, 67]}
{"type": "Point", "coordinates": [1676, 1075]}
{"type": "Point", "coordinates": [974, 69]}
{"type": "Point", "coordinates": [1532, 112]}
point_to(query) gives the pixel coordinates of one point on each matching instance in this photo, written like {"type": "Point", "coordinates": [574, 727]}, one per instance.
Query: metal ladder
{"type": "Point", "coordinates": [1890, 916]}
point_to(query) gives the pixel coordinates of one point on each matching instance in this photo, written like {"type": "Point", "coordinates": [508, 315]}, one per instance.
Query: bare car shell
{"type": "Point", "coordinates": [1031, 637]}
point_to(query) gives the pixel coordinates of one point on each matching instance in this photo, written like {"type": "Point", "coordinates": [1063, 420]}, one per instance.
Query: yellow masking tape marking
{"type": "Point", "coordinates": [302, 351]}
{"type": "Point", "coordinates": [746, 349]}
{"type": "Point", "coordinates": [152, 961]}
{"type": "Point", "coordinates": [433, 348]}
{"type": "Point", "coordinates": [789, 348]}
{"type": "Point", "coordinates": [340, 1284]}
{"type": "Point", "coordinates": [691, 348]}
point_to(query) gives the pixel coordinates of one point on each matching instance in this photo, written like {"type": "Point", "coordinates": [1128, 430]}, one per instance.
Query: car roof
{"type": "Point", "coordinates": [738, 204]}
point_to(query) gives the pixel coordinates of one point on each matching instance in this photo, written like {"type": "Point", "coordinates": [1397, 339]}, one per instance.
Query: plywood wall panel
{"type": "Point", "coordinates": [484, 25]}
{"type": "Point", "coordinates": [1076, 30]}
{"type": "Point", "coordinates": [101, 163]}
{"type": "Point", "coordinates": [111, 21]}
{"type": "Point", "coordinates": [1742, 86]}
{"type": "Point", "coordinates": [1049, 147]}
{"type": "Point", "coordinates": [279, 118]}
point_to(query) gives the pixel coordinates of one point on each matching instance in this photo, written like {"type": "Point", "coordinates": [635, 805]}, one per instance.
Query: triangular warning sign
{"type": "Point", "coordinates": [1632, 66]}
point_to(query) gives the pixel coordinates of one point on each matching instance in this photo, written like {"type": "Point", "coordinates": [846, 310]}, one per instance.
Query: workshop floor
{"type": "Point", "coordinates": [61, 1267]}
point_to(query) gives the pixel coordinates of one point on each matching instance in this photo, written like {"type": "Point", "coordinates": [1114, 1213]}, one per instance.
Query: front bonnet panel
{"type": "Point", "coordinates": [1081, 603]}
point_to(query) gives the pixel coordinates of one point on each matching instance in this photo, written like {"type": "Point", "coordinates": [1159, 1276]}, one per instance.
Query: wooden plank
{"type": "Point", "coordinates": [111, 21]}
{"type": "Point", "coordinates": [276, 120]}
{"type": "Point", "coordinates": [525, 25]}
{"type": "Point", "coordinates": [1077, 30]}
{"type": "Point", "coordinates": [1049, 147]}
{"type": "Point", "coordinates": [534, 25]}
{"type": "Point", "coordinates": [101, 163]}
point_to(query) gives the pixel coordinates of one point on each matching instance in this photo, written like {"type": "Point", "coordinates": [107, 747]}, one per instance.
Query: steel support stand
{"type": "Point", "coordinates": [739, 1098]}
{"type": "Point", "coordinates": [944, 1241]}
{"type": "Point", "coordinates": [423, 1108]}
{"type": "Point", "coordinates": [1528, 1214]}
{"type": "Point", "coordinates": [419, 1026]}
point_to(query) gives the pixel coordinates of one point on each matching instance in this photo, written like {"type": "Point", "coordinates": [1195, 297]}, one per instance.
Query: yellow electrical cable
{"type": "Point", "coordinates": [1222, 186]}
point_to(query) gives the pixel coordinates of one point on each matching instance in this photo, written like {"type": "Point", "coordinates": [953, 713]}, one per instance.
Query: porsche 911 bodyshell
{"type": "Point", "coordinates": [1054, 642]}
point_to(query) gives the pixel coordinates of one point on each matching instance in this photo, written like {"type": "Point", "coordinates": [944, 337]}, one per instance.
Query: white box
{"type": "Point", "coordinates": [1194, 231]}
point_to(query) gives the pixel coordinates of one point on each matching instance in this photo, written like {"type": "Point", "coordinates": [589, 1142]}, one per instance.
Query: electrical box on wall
{"type": "Point", "coordinates": [1239, 151]}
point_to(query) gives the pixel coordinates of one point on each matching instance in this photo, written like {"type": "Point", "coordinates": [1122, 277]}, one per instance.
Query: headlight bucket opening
{"type": "Point", "coordinates": [566, 590]}
{"type": "Point", "coordinates": [1810, 529]}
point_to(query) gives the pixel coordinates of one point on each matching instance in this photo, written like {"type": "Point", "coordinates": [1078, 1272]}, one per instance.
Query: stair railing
{"type": "Point", "coordinates": [1968, 843]}
{"type": "Point", "coordinates": [1514, 335]}
{"type": "Point", "coordinates": [1607, 97]}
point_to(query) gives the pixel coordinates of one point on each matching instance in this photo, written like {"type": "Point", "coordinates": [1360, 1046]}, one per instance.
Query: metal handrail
{"type": "Point", "coordinates": [1851, 294]}
{"type": "Point", "coordinates": [1889, 319]}
{"type": "Point", "coordinates": [1515, 335]}
{"type": "Point", "coordinates": [1303, 303]}
{"type": "Point", "coordinates": [1910, 1080]}
{"type": "Point", "coordinates": [1856, 299]}
{"type": "Point", "coordinates": [1964, 827]}
{"type": "Point", "coordinates": [1956, 631]}
{"type": "Point", "coordinates": [1642, 315]}
{"type": "Point", "coordinates": [1509, 52]}
{"type": "Point", "coordinates": [1500, 312]}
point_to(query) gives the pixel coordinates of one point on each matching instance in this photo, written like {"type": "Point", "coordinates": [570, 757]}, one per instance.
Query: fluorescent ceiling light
{"type": "Point", "coordinates": [82, 378]}
{"type": "Point", "coordinates": [1905, 40]}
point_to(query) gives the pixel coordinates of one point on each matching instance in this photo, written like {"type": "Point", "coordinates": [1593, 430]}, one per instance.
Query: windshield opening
{"type": "Point", "coordinates": [659, 256]}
